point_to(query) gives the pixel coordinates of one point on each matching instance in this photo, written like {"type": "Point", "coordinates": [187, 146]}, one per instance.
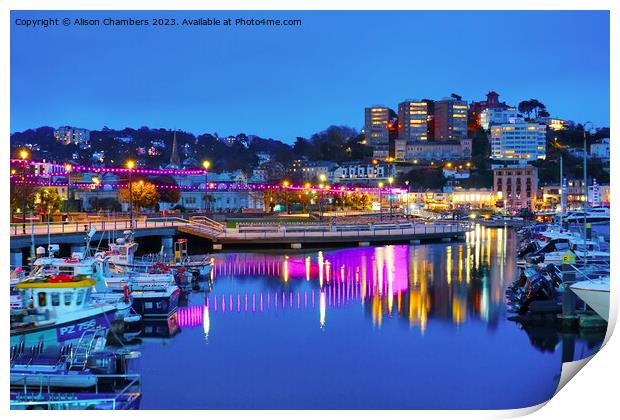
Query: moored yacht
{"type": "Point", "coordinates": [595, 293]}
{"type": "Point", "coordinates": [592, 215]}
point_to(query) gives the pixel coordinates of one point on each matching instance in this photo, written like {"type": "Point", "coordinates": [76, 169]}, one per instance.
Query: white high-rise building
{"type": "Point", "coordinates": [495, 116]}
{"type": "Point", "coordinates": [519, 142]}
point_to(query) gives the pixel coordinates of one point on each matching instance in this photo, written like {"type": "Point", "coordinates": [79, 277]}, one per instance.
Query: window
{"type": "Point", "coordinates": [80, 297]}
{"type": "Point", "coordinates": [55, 298]}
{"type": "Point", "coordinates": [68, 298]}
{"type": "Point", "coordinates": [42, 299]}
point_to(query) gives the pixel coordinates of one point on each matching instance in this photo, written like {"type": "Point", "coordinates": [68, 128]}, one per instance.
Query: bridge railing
{"type": "Point", "coordinates": [18, 229]}
{"type": "Point", "coordinates": [203, 221]}
{"type": "Point", "coordinates": [349, 231]}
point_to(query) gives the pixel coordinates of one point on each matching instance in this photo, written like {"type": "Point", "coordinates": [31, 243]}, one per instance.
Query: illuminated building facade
{"type": "Point", "coordinates": [68, 135]}
{"type": "Point", "coordinates": [412, 121]}
{"type": "Point", "coordinates": [364, 173]}
{"type": "Point", "coordinates": [495, 116]}
{"type": "Point", "coordinates": [478, 107]}
{"type": "Point", "coordinates": [598, 195]}
{"type": "Point", "coordinates": [473, 198]}
{"type": "Point", "coordinates": [426, 151]}
{"type": "Point", "coordinates": [516, 186]}
{"type": "Point", "coordinates": [521, 141]}
{"type": "Point", "coordinates": [450, 119]}
{"type": "Point", "coordinates": [312, 170]}
{"type": "Point", "coordinates": [376, 128]}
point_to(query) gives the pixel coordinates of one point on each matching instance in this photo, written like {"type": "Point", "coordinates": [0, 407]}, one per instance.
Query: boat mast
{"type": "Point", "coordinates": [562, 201]}
{"type": "Point", "coordinates": [585, 197]}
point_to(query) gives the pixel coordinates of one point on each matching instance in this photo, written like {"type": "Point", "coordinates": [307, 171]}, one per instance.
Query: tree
{"type": "Point", "coordinates": [50, 200]}
{"type": "Point", "coordinates": [145, 195]}
{"type": "Point", "coordinates": [537, 106]}
{"type": "Point", "coordinates": [301, 146]}
{"type": "Point", "coordinates": [525, 107]}
{"type": "Point", "coordinates": [167, 195]}
{"type": "Point", "coordinates": [425, 178]}
{"type": "Point", "coordinates": [22, 195]}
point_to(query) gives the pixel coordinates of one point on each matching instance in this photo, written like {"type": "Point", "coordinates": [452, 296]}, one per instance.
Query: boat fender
{"type": "Point", "coordinates": [126, 293]}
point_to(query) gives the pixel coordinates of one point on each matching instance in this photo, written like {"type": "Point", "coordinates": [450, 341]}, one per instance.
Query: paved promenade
{"type": "Point", "coordinates": [272, 233]}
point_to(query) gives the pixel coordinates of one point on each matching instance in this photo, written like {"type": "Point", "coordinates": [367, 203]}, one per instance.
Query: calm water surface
{"type": "Point", "coordinates": [385, 327]}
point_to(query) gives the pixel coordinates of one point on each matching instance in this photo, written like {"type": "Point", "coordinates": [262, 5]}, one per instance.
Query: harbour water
{"type": "Point", "coordinates": [382, 327]}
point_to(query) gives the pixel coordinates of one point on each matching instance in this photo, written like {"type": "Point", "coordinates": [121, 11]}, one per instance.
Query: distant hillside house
{"type": "Point", "coordinates": [68, 135]}
{"type": "Point", "coordinates": [600, 150]}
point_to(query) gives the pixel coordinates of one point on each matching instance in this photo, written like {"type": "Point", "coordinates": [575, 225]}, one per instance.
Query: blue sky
{"type": "Point", "coordinates": [283, 82]}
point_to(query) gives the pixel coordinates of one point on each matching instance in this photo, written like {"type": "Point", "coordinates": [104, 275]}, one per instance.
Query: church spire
{"type": "Point", "coordinates": [174, 156]}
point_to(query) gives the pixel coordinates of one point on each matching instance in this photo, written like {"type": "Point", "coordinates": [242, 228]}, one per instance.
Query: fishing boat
{"type": "Point", "coordinates": [57, 310]}
{"type": "Point", "coordinates": [71, 367]}
{"type": "Point", "coordinates": [122, 253]}
{"type": "Point", "coordinates": [595, 293]}
{"type": "Point", "coordinates": [146, 294]}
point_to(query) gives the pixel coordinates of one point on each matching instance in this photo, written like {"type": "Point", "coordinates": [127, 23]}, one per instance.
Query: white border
{"type": "Point", "coordinates": [593, 395]}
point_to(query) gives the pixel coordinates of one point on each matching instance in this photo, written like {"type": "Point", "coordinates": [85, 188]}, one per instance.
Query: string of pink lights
{"type": "Point", "coordinates": [67, 169]}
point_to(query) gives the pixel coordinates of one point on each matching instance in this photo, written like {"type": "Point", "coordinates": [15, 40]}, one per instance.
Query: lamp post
{"type": "Point", "coordinates": [391, 181]}
{"type": "Point", "coordinates": [68, 169]}
{"type": "Point", "coordinates": [130, 165]}
{"type": "Point", "coordinates": [206, 164]}
{"type": "Point", "coordinates": [24, 154]}
{"type": "Point", "coordinates": [407, 184]}
{"type": "Point", "coordinates": [96, 183]}
{"type": "Point", "coordinates": [322, 178]}
{"type": "Point", "coordinates": [380, 200]}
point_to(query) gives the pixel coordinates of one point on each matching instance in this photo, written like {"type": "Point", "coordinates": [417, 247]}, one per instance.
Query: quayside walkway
{"type": "Point", "coordinates": [293, 234]}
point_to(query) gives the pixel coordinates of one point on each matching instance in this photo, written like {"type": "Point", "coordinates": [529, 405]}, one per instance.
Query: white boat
{"type": "Point", "coordinates": [592, 215]}
{"type": "Point", "coordinates": [595, 293]}
{"type": "Point", "coordinates": [122, 254]}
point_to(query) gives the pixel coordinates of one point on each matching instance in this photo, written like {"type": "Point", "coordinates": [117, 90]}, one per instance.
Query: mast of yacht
{"type": "Point", "coordinates": [562, 199]}
{"type": "Point", "coordinates": [585, 197]}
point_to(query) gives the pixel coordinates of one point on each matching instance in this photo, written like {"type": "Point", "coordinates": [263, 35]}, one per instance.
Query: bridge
{"type": "Point", "coordinates": [287, 234]}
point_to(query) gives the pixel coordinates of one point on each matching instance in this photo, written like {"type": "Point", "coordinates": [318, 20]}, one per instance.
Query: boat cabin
{"type": "Point", "coordinates": [57, 294]}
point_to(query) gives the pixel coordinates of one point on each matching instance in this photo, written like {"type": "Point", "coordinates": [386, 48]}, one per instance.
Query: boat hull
{"type": "Point", "coordinates": [62, 333]}
{"type": "Point", "coordinates": [596, 299]}
{"type": "Point", "coordinates": [156, 304]}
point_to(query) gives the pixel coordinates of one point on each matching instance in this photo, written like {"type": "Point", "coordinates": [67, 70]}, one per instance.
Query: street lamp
{"type": "Point", "coordinates": [68, 169]}
{"type": "Point", "coordinates": [407, 184]}
{"type": "Point", "coordinates": [96, 182]}
{"type": "Point", "coordinates": [206, 164]}
{"type": "Point", "coordinates": [24, 154]}
{"type": "Point", "coordinates": [381, 200]}
{"type": "Point", "coordinates": [322, 178]}
{"type": "Point", "coordinates": [285, 184]}
{"type": "Point", "coordinates": [130, 164]}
